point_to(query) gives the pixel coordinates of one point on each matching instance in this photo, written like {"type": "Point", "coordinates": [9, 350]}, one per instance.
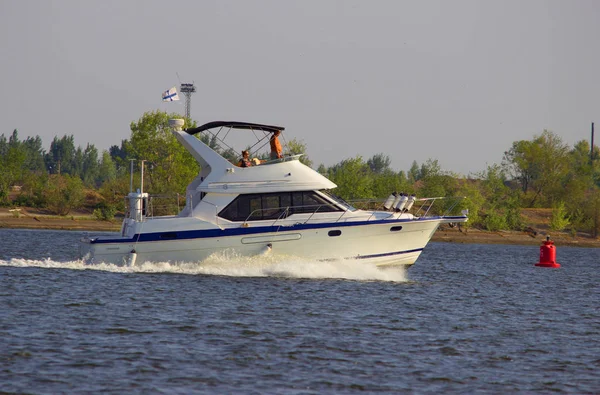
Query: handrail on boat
{"type": "Point", "coordinates": [313, 213]}
{"type": "Point", "coordinates": [285, 158]}
{"type": "Point", "coordinates": [426, 205]}
{"type": "Point", "coordinates": [429, 202]}
{"type": "Point", "coordinates": [284, 212]}
{"type": "Point", "coordinates": [422, 211]}
{"type": "Point", "coordinates": [148, 205]}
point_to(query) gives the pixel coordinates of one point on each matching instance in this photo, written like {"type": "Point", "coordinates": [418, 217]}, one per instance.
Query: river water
{"type": "Point", "coordinates": [464, 319]}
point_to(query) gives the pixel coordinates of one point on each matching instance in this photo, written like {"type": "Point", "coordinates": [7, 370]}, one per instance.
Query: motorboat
{"type": "Point", "coordinates": [277, 206]}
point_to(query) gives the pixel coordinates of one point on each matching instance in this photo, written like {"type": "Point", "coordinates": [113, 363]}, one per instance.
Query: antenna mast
{"type": "Point", "coordinates": [187, 90]}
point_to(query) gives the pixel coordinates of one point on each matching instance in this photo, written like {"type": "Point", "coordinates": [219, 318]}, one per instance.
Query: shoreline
{"type": "Point", "coordinates": [476, 236]}
{"type": "Point", "coordinates": [58, 223]}
{"type": "Point", "coordinates": [444, 234]}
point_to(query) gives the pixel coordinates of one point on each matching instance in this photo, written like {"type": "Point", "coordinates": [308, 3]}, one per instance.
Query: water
{"type": "Point", "coordinates": [464, 319]}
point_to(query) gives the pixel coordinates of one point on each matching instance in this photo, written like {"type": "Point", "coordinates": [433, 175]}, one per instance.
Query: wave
{"type": "Point", "coordinates": [231, 264]}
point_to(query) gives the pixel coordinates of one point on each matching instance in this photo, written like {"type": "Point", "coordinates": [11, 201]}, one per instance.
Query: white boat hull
{"type": "Point", "coordinates": [383, 243]}
{"type": "Point", "coordinates": [281, 206]}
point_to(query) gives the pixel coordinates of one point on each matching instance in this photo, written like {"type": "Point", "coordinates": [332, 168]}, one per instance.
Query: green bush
{"type": "Point", "coordinates": [559, 220]}
{"type": "Point", "coordinates": [513, 218]}
{"type": "Point", "coordinates": [494, 221]}
{"type": "Point", "coordinates": [63, 194]}
{"type": "Point", "coordinates": [105, 212]}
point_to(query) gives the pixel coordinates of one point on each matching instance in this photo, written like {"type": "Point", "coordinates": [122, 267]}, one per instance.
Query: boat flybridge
{"type": "Point", "coordinates": [277, 206]}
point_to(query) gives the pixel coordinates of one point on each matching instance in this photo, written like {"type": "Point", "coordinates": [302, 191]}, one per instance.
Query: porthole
{"type": "Point", "coordinates": [333, 233]}
{"type": "Point", "coordinates": [395, 228]}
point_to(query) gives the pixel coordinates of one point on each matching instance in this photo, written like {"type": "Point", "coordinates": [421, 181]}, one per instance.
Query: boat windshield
{"type": "Point", "coordinates": [339, 200]}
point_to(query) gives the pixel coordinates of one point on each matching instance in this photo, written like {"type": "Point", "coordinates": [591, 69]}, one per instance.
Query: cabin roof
{"type": "Point", "coordinates": [235, 125]}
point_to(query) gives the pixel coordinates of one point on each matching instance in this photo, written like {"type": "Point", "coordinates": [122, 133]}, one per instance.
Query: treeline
{"type": "Point", "coordinates": [539, 173]}
{"type": "Point", "coordinates": [66, 177]}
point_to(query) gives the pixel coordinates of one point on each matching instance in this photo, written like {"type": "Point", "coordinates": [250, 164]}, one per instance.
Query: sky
{"type": "Point", "coordinates": [453, 81]}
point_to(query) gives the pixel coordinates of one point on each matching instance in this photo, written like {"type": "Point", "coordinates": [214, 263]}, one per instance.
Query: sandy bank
{"type": "Point", "coordinates": [453, 235]}
{"type": "Point", "coordinates": [30, 219]}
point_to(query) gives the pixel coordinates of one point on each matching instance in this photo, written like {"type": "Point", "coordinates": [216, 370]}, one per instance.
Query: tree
{"type": "Point", "coordinates": [32, 190]}
{"type": "Point", "coordinates": [434, 181]}
{"type": "Point", "coordinates": [297, 147]}
{"type": "Point", "coordinates": [90, 166]}
{"type": "Point", "coordinates": [414, 174]}
{"type": "Point", "coordinates": [560, 219]}
{"type": "Point", "coordinates": [383, 184]}
{"type": "Point", "coordinates": [492, 186]}
{"type": "Point", "coordinates": [121, 155]}
{"type": "Point", "coordinates": [379, 163]}
{"type": "Point", "coordinates": [212, 141]}
{"type": "Point", "coordinates": [431, 168]}
{"type": "Point", "coordinates": [517, 163]}
{"type": "Point", "coordinates": [11, 164]}
{"type": "Point", "coordinates": [590, 212]}
{"type": "Point", "coordinates": [76, 166]}
{"type": "Point", "coordinates": [34, 154]}
{"type": "Point", "coordinates": [169, 166]}
{"type": "Point", "coordinates": [60, 158]}
{"type": "Point", "coordinates": [107, 170]}
{"type": "Point", "coordinates": [352, 179]}
{"type": "Point", "coordinates": [3, 146]}
{"type": "Point", "coordinates": [474, 201]}
{"type": "Point", "coordinates": [113, 192]}
{"type": "Point", "coordinates": [501, 206]}
{"type": "Point", "coordinates": [63, 194]}
{"type": "Point", "coordinates": [539, 165]}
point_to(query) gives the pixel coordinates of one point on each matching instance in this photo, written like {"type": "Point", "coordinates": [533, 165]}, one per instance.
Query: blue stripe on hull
{"type": "Point", "coordinates": [202, 234]}
{"type": "Point", "coordinates": [388, 254]}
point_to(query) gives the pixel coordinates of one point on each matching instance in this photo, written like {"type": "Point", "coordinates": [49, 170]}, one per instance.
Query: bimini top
{"type": "Point", "coordinates": [234, 125]}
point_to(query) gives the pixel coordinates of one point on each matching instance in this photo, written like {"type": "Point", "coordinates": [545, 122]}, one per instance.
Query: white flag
{"type": "Point", "coordinates": [170, 95]}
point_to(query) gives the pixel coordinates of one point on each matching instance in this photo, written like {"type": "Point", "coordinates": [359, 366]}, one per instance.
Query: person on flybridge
{"type": "Point", "coordinates": [276, 151]}
{"type": "Point", "coordinates": [245, 161]}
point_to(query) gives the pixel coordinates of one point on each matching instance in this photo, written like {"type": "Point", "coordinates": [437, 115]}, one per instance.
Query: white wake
{"type": "Point", "coordinates": [228, 264]}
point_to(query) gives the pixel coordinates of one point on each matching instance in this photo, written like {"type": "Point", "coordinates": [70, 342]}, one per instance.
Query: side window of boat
{"type": "Point", "coordinates": [285, 202]}
{"type": "Point", "coordinates": [231, 211]}
{"type": "Point", "coordinates": [273, 205]}
{"type": "Point", "coordinates": [255, 208]}
{"type": "Point", "coordinates": [310, 202]}
{"type": "Point", "coordinates": [297, 203]}
{"type": "Point", "coordinates": [239, 209]}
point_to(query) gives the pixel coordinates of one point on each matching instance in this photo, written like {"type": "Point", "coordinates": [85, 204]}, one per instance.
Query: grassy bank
{"type": "Point", "coordinates": [25, 218]}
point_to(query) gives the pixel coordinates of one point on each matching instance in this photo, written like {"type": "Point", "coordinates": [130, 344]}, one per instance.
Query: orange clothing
{"type": "Point", "coordinates": [276, 150]}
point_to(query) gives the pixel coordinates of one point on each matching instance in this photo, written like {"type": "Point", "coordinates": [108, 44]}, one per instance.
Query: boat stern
{"type": "Point", "coordinates": [85, 248]}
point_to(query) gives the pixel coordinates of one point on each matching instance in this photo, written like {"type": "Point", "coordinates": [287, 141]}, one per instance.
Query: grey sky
{"type": "Point", "coordinates": [456, 81]}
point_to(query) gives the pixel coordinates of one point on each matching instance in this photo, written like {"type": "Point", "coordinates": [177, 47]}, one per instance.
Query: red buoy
{"type": "Point", "coordinates": [547, 254]}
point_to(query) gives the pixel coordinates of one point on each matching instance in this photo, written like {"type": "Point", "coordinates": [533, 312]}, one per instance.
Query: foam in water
{"type": "Point", "coordinates": [231, 264]}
